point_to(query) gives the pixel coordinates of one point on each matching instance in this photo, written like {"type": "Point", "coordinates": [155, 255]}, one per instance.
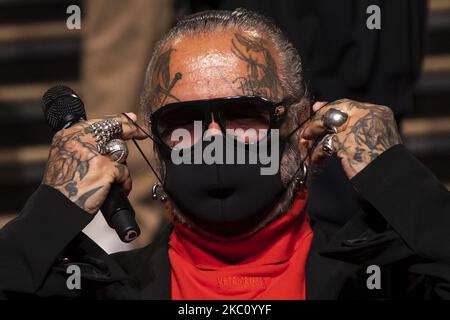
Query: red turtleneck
{"type": "Point", "coordinates": [268, 265]}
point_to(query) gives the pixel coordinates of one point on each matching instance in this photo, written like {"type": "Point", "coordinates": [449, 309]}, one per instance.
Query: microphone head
{"type": "Point", "coordinates": [62, 106]}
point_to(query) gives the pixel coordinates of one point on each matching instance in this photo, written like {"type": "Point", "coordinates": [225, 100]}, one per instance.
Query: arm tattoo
{"type": "Point", "coordinates": [262, 74]}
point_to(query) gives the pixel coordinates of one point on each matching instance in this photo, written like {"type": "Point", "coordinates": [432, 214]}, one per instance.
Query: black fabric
{"type": "Point", "coordinates": [30, 244]}
{"type": "Point", "coordinates": [409, 218]}
{"type": "Point", "coordinates": [402, 226]}
{"type": "Point", "coordinates": [225, 197]}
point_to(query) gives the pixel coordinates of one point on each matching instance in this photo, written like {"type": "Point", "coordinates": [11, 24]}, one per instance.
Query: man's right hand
{"type": "Point", "coordinates": [77, 170]}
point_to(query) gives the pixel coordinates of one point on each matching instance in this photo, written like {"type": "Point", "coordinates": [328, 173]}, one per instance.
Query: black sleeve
{"type": "Point", "coordinates": [412, 201]}
{"type": "Point", "coordinates": [416, 207]}
{"type": "Point", "coordinates": [30, 244]}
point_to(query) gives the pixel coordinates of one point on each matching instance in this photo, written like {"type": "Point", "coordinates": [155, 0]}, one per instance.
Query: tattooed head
{"type": "Point", "coordinates": [288, 66]}
{"type": "Point", "coordinates": [227, 53]}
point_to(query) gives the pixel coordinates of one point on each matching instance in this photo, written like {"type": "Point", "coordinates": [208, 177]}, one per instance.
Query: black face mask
{"type": "Point", "coordinates": [223, 199]}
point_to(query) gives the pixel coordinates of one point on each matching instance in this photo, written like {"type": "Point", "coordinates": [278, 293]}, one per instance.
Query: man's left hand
{"type": "Point", "coordinates": [367, 132]}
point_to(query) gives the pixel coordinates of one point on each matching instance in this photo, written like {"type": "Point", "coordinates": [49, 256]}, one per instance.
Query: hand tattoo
{"type": "Point", "coordinates": [67, 165]}
{"type": "Point", "coordinates": [81, 201]}
{"type": "Point", "coordinates": [369, 136]}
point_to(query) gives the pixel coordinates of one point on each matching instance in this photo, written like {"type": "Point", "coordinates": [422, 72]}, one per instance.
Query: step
{"type": "Point", "coordinates": [438, 32]}
{"type": "Point", "coordinates": [425, 126]}
{"type": "Point", "coordinates": [24, 155]}
{"type": "Point", "coordinates": [438, 5]}
{"type": "Point", "coordinates": [17, 183]}
{"type": "Point", "coordinates": [28, 92]}
{"type": "Point", "coordinates": [438, 63]}
{"type": "Point", "coordinates": [32, 31]}
{"type": "Point", "coordinates": [31, 11]}
{"type": "Point", "coordinates": [21, 116]}
{"type": "Point", "coordinates": [34, 61]}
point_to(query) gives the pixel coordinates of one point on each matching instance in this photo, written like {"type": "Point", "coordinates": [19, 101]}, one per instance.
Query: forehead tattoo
{"type": "Point", "coordinates": [262, 74]}
{"type": "Point", "coordinates": [163, 82]}
{"type": "Point", "coordinates": [261, 78]}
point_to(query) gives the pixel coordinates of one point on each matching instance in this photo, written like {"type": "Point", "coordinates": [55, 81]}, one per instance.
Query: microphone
{"type": "Point", "coordinates": [63, 108]}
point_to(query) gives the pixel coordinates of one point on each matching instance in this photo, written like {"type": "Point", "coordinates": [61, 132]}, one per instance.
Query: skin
{"type": "Point", "coordinates": [79, 172]}
{"type": "Point", "coordinates": [204, 67]}
{"type": "Point", "coordinates": [207, 67]}
{"type": "Point", "coordinates": [369, 131]}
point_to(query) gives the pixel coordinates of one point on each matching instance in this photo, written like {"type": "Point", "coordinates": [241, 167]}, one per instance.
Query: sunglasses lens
{"type": "Point", "coordinates": [247, 121]}
{"type": "Point", "coordinates": [176, 127]}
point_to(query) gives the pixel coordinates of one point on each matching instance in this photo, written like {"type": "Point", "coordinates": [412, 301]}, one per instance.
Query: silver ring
{"type": "Point", "coordinates": [117, 150]}
{"type": "Point", "coordinates": [327, 144]}
{"type": "Point", "coordinates": [334, 118]}
{"type": "Point", "coordinates": [104, 131]}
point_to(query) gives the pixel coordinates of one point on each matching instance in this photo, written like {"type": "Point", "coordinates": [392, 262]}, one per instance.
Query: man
{"type": "Point", "coordinates": [344, 58]}
{"type": "Point", "coordinates": [236, 233]}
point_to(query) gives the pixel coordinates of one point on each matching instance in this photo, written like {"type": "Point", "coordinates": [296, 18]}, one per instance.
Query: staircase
{"type": "Point", "coordinates": [37, 51]}
{"type": "Point", "coordinates": [426, 131]}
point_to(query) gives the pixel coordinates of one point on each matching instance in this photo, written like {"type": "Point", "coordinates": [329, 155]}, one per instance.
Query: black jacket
{"type": "Point", "coordinates": [403, 227]}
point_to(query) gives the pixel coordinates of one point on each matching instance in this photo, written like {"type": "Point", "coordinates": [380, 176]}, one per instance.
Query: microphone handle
{"type": "Point", "coordinates": [119, 214]}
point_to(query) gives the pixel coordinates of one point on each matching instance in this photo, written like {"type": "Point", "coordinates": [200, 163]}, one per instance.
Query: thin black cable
{"type": "Point", "coordinates": [146, 160]}
{"type": "Point", "coordinates": [140, 150]}
{"type": "Point", "coordinates": [140, 128]}
{"type": "Point", "coordinates": [309, 118]}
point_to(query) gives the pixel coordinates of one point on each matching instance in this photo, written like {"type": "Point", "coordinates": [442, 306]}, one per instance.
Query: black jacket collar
{"type": "Point", "coordinates": [337, 257]}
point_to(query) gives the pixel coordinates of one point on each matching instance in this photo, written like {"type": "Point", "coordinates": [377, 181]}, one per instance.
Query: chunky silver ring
{"type": "Point", "coordinates": [334, 118]}
{"type": "Point", "coordinates": [104, 131]}
{"type": "Point", "coordinates": [117, 150]}
{"type": "Point", "coordinates": [327, 144]}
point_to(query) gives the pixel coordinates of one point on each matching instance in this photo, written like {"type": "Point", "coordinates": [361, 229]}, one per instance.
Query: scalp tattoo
{"type": "Point", "coordinates": [163, 82]}
{"type": "Point", "coordinates": [262, 74]}
{"type": "Point", "coordinates": [261, 79]}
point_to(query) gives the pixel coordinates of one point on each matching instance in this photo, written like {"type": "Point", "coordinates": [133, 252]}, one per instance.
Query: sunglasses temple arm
{"type": "Point", "coordinates": [140, 150]}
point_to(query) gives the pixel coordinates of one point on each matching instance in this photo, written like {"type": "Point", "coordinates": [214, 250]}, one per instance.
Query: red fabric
{"type": "Point", "coordinates": [269, 265]}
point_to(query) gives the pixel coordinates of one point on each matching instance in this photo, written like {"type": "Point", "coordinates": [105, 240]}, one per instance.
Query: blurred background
{"type": "Point", "coordinates": [105, 62]}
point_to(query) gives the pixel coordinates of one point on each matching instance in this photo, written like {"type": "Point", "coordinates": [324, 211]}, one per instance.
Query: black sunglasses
{"type": "Point", "coordinates": [276, 116]}
{"type": "Point", "coordinates": [248, 119]}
